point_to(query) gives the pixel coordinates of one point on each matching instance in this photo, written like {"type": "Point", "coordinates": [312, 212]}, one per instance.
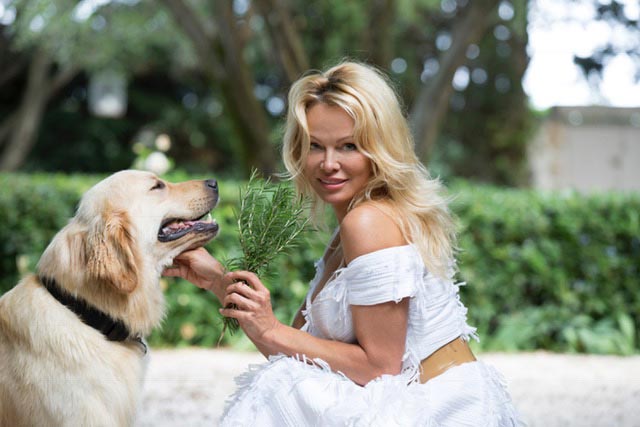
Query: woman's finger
{"type": "Point", "coordinates": [248, 277]}
{"type": "Point", "coordinates": [240, 288]}
{"type": "Point", "coordinates": [235, 287]}
{"type": "Point", "coordinates": [171, 272]}
{"type": "Point", "coordinates": [239, 301]}
{"type": "Point", "coordinates": [234, 313]}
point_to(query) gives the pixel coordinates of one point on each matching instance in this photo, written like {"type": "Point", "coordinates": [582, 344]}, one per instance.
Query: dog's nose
{"type": "Point", "coordinates": [211, 183]}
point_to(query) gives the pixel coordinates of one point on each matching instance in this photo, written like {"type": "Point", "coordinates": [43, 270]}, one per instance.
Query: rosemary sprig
{"type": "Point", "coordinates": [270, 221]}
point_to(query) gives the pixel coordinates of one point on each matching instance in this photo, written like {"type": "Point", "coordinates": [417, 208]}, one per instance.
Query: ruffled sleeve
{"type": "Point", "coordinates": [389, 274]}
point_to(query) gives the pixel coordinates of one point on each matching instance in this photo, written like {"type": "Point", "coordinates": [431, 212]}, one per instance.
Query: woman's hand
{"type": "Point", "coordinates": [201, 269]}
{"type": "Point", "coordinates": [252, 301]}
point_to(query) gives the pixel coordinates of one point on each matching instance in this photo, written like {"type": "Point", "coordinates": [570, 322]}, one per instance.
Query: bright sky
{"type": "Point", "coordinates": [558, 29]}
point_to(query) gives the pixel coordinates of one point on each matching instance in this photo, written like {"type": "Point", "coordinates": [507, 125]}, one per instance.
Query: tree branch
{"type": "Point", "coordinates": [18, 131]}
{"type": "Point", "coordinates": [203, 43]}
{"type": "Point", "coordinates": [431, 104]}
{"type": "Point", "coordinates": [238, 89]}
{"type": "Point", "coordinates": [221, 60]}
{"type": "Point", "coordinates": [379, 40]}
{"type": "Point", "coordinates": [28, 117]}
{"type": "Point", "coordinates": [285, 38]}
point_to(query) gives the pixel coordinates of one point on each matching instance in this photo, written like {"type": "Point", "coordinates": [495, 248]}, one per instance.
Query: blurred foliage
{"type": "Point", "coordinates": [170, 89]}
{"type": "Point", "coordinates": [554, 271]}
{"type": "Point", "coordinates": [75, 140]}
{"type": "Point", "coordinates": [490, 144]}
{"type": "Point", "coordinates": [559, 271]}
{"type": "Point", "coordinates": [128, 35]}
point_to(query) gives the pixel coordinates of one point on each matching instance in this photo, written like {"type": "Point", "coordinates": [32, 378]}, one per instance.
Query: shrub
{"type": "Point", "coordinates": [32, 209]}
{"type": "Point", "coordinates": [557, 271]}
{"type": "Point", "coordinates": [554, 271]}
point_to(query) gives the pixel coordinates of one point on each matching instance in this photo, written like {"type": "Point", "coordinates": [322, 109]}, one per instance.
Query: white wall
{"type": "Point", "coordinates": [588, 149]}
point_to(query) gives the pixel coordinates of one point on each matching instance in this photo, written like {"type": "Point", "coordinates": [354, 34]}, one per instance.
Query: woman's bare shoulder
{"type": "Point", "coordinates": [369, 227]}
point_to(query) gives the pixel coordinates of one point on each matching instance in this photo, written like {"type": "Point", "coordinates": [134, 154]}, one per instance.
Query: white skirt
{"type": "Point", "coordinates": [288, 392]}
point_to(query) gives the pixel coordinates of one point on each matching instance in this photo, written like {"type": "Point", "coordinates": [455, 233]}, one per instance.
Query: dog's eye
{"type": "Point", "coordinates": [159, 186]}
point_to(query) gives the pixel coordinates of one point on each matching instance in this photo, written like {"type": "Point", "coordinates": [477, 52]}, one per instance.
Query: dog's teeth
{"type": "Point", "coordinates": [208, 218]}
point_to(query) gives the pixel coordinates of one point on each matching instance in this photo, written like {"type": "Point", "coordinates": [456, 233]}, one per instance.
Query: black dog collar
{"type": "Point", "coordinates": [113, 330]}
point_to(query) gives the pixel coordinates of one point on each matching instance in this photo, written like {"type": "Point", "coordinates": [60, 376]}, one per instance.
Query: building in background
{"type": "Point", "coordinates": [587, 149]}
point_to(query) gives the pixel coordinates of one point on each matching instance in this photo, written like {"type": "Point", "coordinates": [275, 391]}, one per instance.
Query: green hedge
{"type": "Point", "coordinates": [557, 271]}
{"type": "Point", "coordinates": [554, 271]}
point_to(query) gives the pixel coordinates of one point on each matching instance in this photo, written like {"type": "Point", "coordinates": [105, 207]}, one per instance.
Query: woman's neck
{"type": "Point", "coordinates": [340, 212]}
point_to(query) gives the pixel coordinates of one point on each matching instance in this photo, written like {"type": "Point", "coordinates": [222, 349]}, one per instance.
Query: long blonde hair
{"type": "Point", "coordinates": [381, 133]}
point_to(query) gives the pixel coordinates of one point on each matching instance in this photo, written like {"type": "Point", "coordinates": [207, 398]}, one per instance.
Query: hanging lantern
{"type": "Point", "coordinates": [108, 94]}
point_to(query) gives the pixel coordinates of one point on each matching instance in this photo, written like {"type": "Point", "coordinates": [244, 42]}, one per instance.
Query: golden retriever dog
{"type": "Point", "coordinates": [71, 347]}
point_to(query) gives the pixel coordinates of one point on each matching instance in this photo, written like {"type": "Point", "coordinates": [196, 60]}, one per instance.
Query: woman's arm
{"type": "Point", "coordinates": [380, 329]}
{"type": "Point", "coordinates": [298, 319]}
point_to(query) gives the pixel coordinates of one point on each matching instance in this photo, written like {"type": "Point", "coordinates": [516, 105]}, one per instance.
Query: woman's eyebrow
{"type": "Point", "coordinates": [341, 139]}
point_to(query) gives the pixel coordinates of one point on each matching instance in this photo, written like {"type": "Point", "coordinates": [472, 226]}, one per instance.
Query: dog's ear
{"type": "Point", "coordinates": [112, 256]}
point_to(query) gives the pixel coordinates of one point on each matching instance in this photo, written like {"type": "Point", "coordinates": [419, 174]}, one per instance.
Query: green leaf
{"type": "Point", "coordinates": [270, 221]}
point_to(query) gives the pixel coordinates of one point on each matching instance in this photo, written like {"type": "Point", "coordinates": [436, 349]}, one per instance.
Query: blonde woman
{"type": "Point", "coordinates": [381, 338]}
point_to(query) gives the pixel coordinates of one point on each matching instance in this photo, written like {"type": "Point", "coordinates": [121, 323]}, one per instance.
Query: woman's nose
{"type": "Point", "coordinates": [330, 162]}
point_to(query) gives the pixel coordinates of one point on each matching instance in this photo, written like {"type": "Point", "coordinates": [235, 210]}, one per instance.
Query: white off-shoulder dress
{"type": "Point", "coordinates": [296, 391]}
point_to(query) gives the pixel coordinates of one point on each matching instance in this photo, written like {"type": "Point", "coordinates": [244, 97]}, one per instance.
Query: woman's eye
{"type": "Point", "coordinates": [159, 186]}
{"type": "Point", "coordinates": [350, 147]}
{"type": "Point", "coordinates": [315, 146]}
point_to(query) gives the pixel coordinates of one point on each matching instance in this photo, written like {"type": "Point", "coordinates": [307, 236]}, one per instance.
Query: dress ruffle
{"type": "Point", "coordinates": [389, 274]}
{"type": "Point", "coordinates": [289, 391]}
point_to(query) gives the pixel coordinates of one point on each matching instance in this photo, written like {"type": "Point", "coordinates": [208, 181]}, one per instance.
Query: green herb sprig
{"type": "Point", "coordinates": [270, 221]}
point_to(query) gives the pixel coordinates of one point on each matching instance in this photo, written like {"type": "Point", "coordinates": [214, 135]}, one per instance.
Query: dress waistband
{"type": "Point", "coordinates": [451, 354]}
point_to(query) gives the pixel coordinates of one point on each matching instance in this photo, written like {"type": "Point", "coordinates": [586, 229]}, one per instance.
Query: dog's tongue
{"type": "Point", "coordinates": [177, 225]}
{"type": "Point", "coordinates": [181, 224]}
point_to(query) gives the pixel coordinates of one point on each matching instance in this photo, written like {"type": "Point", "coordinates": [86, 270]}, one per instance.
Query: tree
{"type": "Point", "coordinates": [247, 54]}
{"type": "Point", "coordinates": [55, 42]}
{"type": "Point", "coordinates": [221, 59]}
{"type": "Point", "coordinates": [432, 102]}
{"type": "Point", "coordinates": [218, 43]}
{"type": "Point", "coordinates": [494, 136]}
{"type": "Point", "coordinates": [626, 43]}
{"type": "Point", "coordinates": [286, 43]}
{"type": "Point", "coordinates": [18, 129]}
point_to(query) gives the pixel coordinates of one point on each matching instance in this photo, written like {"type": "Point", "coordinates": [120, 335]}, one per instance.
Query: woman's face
{"type": "Point", "coordinates": [335, 168]}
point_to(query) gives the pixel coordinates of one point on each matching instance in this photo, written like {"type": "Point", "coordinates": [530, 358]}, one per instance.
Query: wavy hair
{"type": "Point", "coordinates": [382, 134]}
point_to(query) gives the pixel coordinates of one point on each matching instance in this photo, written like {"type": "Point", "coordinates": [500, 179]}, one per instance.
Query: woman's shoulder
{"type": "Point", "coordinates": [370, 214]}
{"type": "Point", "coordinates": [369, 227]}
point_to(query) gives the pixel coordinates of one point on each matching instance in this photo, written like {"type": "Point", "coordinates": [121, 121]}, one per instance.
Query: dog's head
{"type": "Point", "coordinates": [135, 218]}
{"type": "Point", "coordinates": [128, 227]}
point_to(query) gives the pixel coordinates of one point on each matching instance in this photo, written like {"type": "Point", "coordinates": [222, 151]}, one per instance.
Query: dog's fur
{"type": "Point", "coordinates": [56, 370]}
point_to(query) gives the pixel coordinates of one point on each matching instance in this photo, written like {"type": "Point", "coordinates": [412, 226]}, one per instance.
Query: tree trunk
{"type": "Point", "coordinates": [203, 43]}
{"type": "Point", "coordinates": [11, 62]}
{"type": "Point", "coordinates": [221, 60]}
{"type": "Point", "coordinates": [25, 125]}
{"type": "Point", "coordinates": [285, 38]}
{"type": "Point", "coordinates": [19, 130]}
{"type": "Point", "coordinates": [519, 116]}
{"type": "Point", "coordinates": [6, 126]}
{"type": "Point", "coordinates": [238, 89]}
{"type": "Point", "coordinates": [432, 102]}
{"type": "Point", "coordinates": [379, 36]}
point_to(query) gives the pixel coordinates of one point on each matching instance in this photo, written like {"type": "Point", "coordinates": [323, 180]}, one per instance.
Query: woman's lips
{"type": "Point", "coordinates": [332, 183]}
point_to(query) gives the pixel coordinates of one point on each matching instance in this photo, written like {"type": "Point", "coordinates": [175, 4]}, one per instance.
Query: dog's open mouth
{"type": "Point", "coordinates": [176, 228]}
